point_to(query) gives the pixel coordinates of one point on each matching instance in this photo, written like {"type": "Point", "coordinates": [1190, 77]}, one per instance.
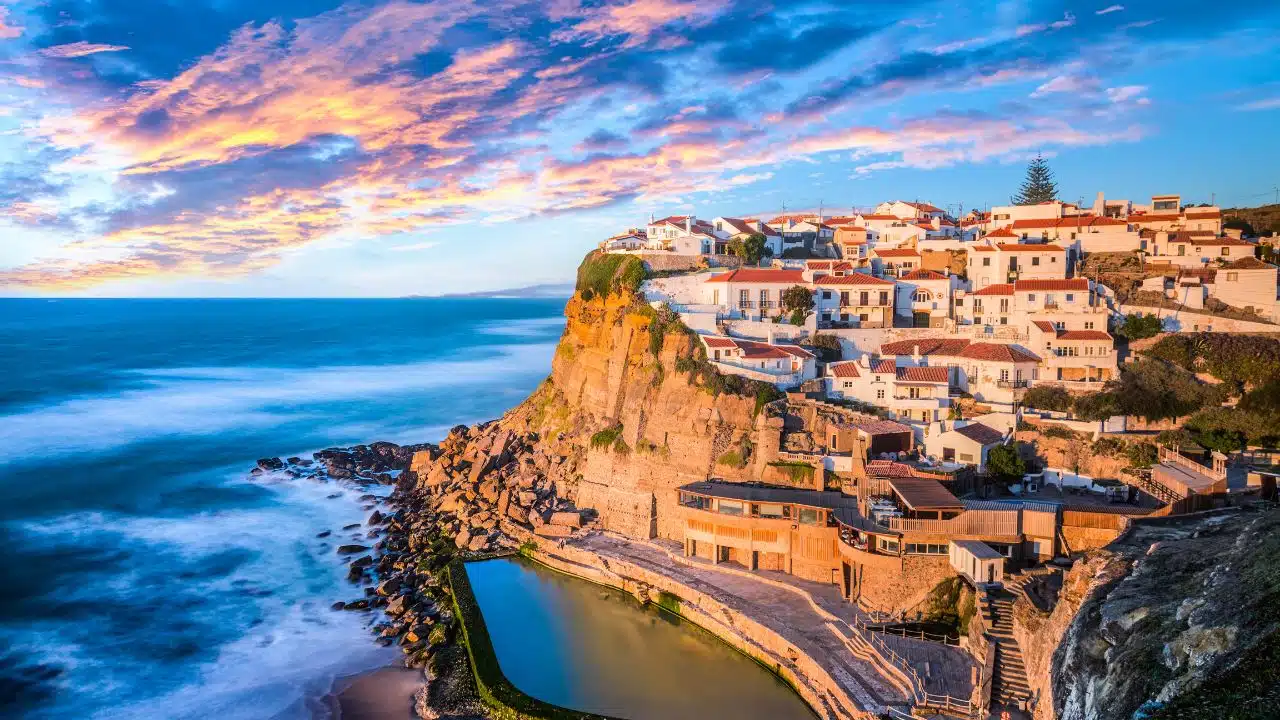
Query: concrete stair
{"type": "Point", "coordinates": [1009, 681]}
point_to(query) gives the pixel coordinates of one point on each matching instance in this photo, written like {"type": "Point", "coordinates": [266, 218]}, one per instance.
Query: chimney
{"type": "Point", "coordinates": [650, 217]}
{"type": "Point", "coordinates": [688, 223]}
{"type": "Point", "coordinates": [1099, 205]}
{"type": "Point", "coordinates": [915, 352]}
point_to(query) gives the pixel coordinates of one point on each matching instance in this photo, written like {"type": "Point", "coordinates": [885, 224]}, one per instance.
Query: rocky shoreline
{"type": "Point", "coordinates": [481, 492]}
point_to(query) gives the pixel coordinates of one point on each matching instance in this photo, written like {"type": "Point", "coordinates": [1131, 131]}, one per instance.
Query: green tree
{"type": "Point", "coordinates": [1047, 397]}
{"type": "Point", "coordinates": [1097, 406]}
{"type": "Point", "coordinates": [1039, 185]}
{"type": "Point", "coordinates": [1137, 326]}
{"type": "Point", "coordinates": [797, 300]}
{"type": "Point", "coordinates": [1222, 440]}
{"type": "Point", "coordinates": [828, 347]}
{"type": "Point", "coordinates": [751, 249]}
{"type": "Point", "coordinates": [1005, 462]}
{"type": "Point", "coordinates": [1238, 224]}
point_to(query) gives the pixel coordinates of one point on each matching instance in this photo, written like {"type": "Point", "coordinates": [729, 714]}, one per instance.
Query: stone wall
{"type": "Point", "coordinates": [887, 591]}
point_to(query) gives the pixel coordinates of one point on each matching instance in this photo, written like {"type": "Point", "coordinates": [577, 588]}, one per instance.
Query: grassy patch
{"type": "Point", "coordinates": [601, 274]}
{"type": "Point", "coordinates": [669, 602]}
{"type": "Point", "coordinates": [798, 472]}
{"type": "Point", "coordinates": [606, 437]}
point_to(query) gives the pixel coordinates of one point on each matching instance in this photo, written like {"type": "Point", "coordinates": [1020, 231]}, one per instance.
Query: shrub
{"type": "Point", "coordinates": [606, 438]}
{"type": "Point", "coordinates": [1047, 397]}
{"type": "Point", "coordinates": [751, 248]}
{"type": "Point", "coordinates": [1137, 326]}
{"type": "Point", "coordinates": [1141, 455]}
{"type": "Point", "coordinates": [1221, 439]}
{"type": "Point", "coordinates": [1096, 406]}
{"type": "Point", "coordinates": [1153, 390]}
{"type": "Point", "coordinates": [798, 473]}
{"type": "Point", "coordinates": [1005, 462]}
{"type": "Point", "coordinates": [1058, 431]}
{"type": "Point", "coordinates": [1111, 447]}
{"type": "Point", "coordinates": [798, 301]}
{"type": "Point", "coordinates": [828, 347]}
{"type": "Point", "coordinates": [1178, 438]}
{"type": "Point", "coordinates": [669, 602]}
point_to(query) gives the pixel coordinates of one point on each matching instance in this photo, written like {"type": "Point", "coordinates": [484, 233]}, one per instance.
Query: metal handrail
{"type": "Point", "coordinates": [920, 694]}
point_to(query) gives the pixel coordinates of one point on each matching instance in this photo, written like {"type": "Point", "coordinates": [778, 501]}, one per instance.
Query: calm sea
{"type": "Point", "coordinates": [145, 573]}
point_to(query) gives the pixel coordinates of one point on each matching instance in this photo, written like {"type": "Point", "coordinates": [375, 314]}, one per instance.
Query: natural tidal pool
{"type": "Point", "coordinates": [578, 645]}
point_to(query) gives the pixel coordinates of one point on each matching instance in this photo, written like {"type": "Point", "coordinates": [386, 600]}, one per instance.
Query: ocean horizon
{"type": "Point", "coordinates": [149, 574]}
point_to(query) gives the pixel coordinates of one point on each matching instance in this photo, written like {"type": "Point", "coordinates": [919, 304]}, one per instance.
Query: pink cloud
{"type": "Point", "coordinates": [79, 49]}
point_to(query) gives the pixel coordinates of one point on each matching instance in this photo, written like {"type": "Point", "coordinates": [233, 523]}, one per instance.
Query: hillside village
{"type": "Point", "coordinates": [961, 397]}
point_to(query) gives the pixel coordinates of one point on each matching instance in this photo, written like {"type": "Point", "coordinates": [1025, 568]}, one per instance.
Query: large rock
{"type": "Point", "coordinates": [567, 519]}
{"type": "Point", "coordinates": [478, 543]}
{"type": "Point", "coordinates": [526, 499]}
{"type": "Point", "coordinates": [463, 539]}
{"type": "Point", "coordinates": [553, 531]}
{"type": "Point", "coordinates": [269, 464]}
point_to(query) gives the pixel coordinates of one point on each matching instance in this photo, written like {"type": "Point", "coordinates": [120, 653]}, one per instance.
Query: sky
{"type": "Point", "coordinates": [309, 148]}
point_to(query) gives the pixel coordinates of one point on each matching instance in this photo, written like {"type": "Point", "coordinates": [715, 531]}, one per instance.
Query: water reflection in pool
{"type": "Point", "coordinates": [578, 645]}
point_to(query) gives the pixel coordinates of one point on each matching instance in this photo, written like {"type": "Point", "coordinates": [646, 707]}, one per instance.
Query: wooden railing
{"type": "Point", "coordinates": [1003, 523]}
{"type": "Point", "coordinates": [921, 697]}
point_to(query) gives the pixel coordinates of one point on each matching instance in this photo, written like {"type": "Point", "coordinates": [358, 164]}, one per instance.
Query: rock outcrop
{"type": "Point", "coordinates": [1158, 619]}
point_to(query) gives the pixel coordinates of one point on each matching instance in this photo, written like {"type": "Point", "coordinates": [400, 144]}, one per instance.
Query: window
{"type": "Point", "coordinates": [966, 457]}
{"type": "Point", "coordinates": [810, 516]}
{"type": "Point", "coordinates": [1232, 277]}
{"type": "Point", "coordinates": [744, 297]}
{"type": "Point", "coordinates": [1053, 259]}
{"type": "Point", "coordinates": [772, 510]}
{"type": "Point", "coordinates": [1004, 375]}
{"type": "Point", "coordinates": [913, 393]}
{"type": "Point", "coordinates": [764, 298]}
{"type": "Point", "coordinates": [1071, 297]}
{"type": "Point", "coordinates": [1035, 261]}
{"type": "Point", "coordinates": [1226, 252]}
{"type": "Point", "coordinates": [959, 302]}
{"type": "Point", "coordinates": [886, 545]}
{"type": "Point", "coordinates": [731, 507]}
{"type": "Point", "coordinates": [848, 383]}
{"type": "Point", "coordinates": [884, 298]}
{"type": "Point", "coordinates": [880, 394]}
{"type": "Point", "coordinates": [844, 297]}
{"type": "Point", "coordinates": [1031, 297]}
{"type": "Point", "coordinates": [925, 549]}
{"type": "Point", "coordinates": [864, 298]}
{"type": "Point", "coordinates": [1088, 326]}
{"type": "Point", "coordinates": [696, 502]}
{"type": "Point", "coordinates": [986, 262]}
{"type": "Point", "coordinates": [921, 296]}
{"type": "Point", "coordinates": [826, 294]}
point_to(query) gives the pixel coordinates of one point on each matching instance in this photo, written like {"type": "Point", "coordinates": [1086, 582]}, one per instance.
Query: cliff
{"type": "Point", "coordinates": [1176, 619]}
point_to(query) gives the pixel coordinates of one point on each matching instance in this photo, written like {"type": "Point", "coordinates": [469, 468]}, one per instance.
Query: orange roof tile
{"type": "Point", "coordinates": [923, 274]}
{"type": "Point", "coordinates": [925, 346]}
{"type": "Point", "coordinates": [924, 374]}
{"type": "Point", "coordinates": [896, 252]}
{"type": "Point", "coordinates": [1029, 247]}
{"type": "Point", "coordinates": [760, 275]}
{"type": "Point", "coordinates": [993, 352]}
{"type": "Point", "coordinates": [1051, 285]}
{"type": "Point", "coordinates": [846, 369]}
{"type": "Point", "coordinates": [884, 366]}
{"type": "Point", "coordinates": [998, 289]}
{"type": "Point", "coordinates": [1002, 233]}
{"type": "Point", "coordinates": [1084, 335]}
{"type": "Point", "coordinates": [853, 278]}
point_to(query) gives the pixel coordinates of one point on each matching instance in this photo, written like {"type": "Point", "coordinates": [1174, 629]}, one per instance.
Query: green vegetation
{"type": "Point", "coordinates": [951, 602]}
{"type": "Point", "coordinates": [1262, 220]}
{"type": "Point", "coordinates": [797, 300]}
{"type": "Point", "coordinates": [1038, 186]}
{"type": "Point", "coordinates": [1047, 397]}
{"type": "Point", "coordinates": [751, 249]}
{"type": "Point", "coordinates": [606, 437]}
{"type": "Point", "coordinates": [1141, 455]}
{"type": "Point", "coordinates": [1004, 462]}
{"type": "Point", "coordinates": [1058, 431]}
{"type": "Point", "coordinates": [601, 274]}
{"type": "Point", "coordinates": [662, 321]}
{"type": "Point", "coordinates": [1151, 390]}
{"type": "Point", "coordinates": [1137, 326]}
{"type": "Point", "coordinates": [798, 473]}
{"type": "Point", "coordinates": [827, 347]}
{"type": "Point", "coordinates": [704, 375]}
{"type": "Point", "coordinates": [740, 456]}
{"type": "Point", "coordinates": [505, 700]}
{"type": "Point", "coordinates": [669, 602]}
{"type": "Point", "coordinates": [1243, 360]}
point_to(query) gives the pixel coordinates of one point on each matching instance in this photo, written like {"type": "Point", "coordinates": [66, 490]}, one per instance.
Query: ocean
{"type": "Point", "coordinates": [146, 573]}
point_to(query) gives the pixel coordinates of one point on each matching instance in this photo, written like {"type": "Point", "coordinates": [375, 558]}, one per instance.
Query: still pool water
{"type": "Point", "coordinates": [578, 645]}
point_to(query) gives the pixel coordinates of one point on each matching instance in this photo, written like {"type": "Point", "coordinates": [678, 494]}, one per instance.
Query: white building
{"type": "Point", "coordinates": [854, 299]}
{"type": "Point", "coordinates": [730, 229]}
{"type": "Point", "coordinates": [916, 395]}
{"type": "Point", "coordinates": [781, 364]}
{"type": "Point", "coordinates": [753, 293]}
{"type": "Point", "coordinates": [966, 442]}
{"type": "Point", "coordinates": [925, 298]}
{"type": "Point", "coordinates": [993, 373]}
{"type": "Point", "coordinates": [912, 211]}
{"type": "Point", "coordinates": [683, 235]}
{"type": "Point", "coordinates": [992, 263]}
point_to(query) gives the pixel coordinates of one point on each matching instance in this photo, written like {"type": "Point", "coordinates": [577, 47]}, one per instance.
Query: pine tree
{"type": "Point", "coordinates": [1039, 186]}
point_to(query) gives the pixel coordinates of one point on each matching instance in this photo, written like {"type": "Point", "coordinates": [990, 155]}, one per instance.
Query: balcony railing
{"type": "Point", "coordinates": [1051, 306]}
{"type": "Point", "coordinates": [746, 305]}
{"type": "Point", "coordinates": [1012, 384]}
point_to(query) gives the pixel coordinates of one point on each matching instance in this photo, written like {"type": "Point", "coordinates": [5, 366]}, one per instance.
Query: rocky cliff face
{"type": "Point", "coordinates": [1176, 619]}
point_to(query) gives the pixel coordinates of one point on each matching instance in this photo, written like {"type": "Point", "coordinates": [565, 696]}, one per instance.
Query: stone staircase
{"type": "Point", "coordinates": [1009, 680]}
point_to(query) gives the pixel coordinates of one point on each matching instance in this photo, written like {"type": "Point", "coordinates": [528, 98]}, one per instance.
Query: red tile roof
{"type": "Point", "coordinates": [1153, 218]}
{"type": "Point", "coordinates": [998, 353]}
{"type": "Point", "coordinates": [760, 275]}
{"type": "Point", "coordinates": [753, 349]}
{"type": "Point", "coordinates": [882, 427]}
{"type": "Point", "coordinates": [924, 374]}
{"type": "Point", "coordinates": [853, 278]}
{"type": "Point", "coordinates": [880, 217]}
{"type": "Point", "coordinates": [999, 289]}
{"type": "Point", "coordinates": [982, 248]}
{"type": "Point", "coordinates": [923, 275]}
{"type": "Point", "coordinates": [1081, 284]}
{"type": "Point", "coordinates": [1204, 215]}
{"type": "Point", "coordinates": [1029, 247]}
{"type": "Point", "coordinates": [896, 252]}
{"type": "Point", "coordinates": [1250, 264]}
{"type": "Point", "coordinates": [981, 434]}
{"type": "Point", "coordinates": [1084, 335]}
{"type": "Point", "coordinates": [718, 341]}
{"type": "Point", "coordinates": [925, 346]}
{"type": "Point", "coordinates": [884, 366]}
{"type": "Point", "coordinates": [1002, 233]}
{"type": "Point", "coordinates": [846, 369]}
{"type": "Point", "coordinates": [1045, 326]}
{"type": "Point", "coordinates": [1071, 221]}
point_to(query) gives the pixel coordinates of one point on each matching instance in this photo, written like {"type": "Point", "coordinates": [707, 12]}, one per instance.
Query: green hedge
{"type": "Point", "coordinates": [601, 274]}
{"type": "Point", "coordinates": [505, 699]}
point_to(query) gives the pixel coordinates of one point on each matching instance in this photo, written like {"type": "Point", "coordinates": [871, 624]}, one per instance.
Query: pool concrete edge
{"type": "Point", "coordinates": [820, 691]}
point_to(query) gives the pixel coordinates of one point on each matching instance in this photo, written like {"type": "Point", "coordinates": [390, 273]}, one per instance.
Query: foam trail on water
{"type": "Point", "coordinates": [209, 401]}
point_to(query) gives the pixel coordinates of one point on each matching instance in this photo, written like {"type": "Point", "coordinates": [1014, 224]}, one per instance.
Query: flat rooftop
{"type": "Point", "coordinates": [754, 492]}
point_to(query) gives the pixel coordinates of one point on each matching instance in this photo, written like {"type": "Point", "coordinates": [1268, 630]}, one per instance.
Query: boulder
{"type": "Point", "coordinates": [389, 586]}
{"type": "Point", "coordinates": [526, 498]}
{"type": "Point", "coordinates": [515, 512]}
{"type": "Point", "coordinates": [504, 502]}
{"type": "Point", "coordinates": [535, 518]}
{"type": "Point", "coordinates": [351, 549]}
{"type": "Point", "coordinates": [397, 605]}
{"type": "Point", "coordinates": [478, 543]}
{"type": "Point", "coordinates": [567, 519]}
{"type": "Point", "coordinates": [553, 531]}
{"type": "Point", "coordinates": [463, 538]}
{"type": "Point", "coordinates": [269, 464]}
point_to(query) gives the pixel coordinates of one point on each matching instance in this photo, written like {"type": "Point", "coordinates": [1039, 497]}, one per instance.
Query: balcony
{"type": "Point", "coordinates": [746, 305]}
{"type": "Point", "coordinates": [1051, 306]}
{"type": "Point", "coordinates": [1012, 384]}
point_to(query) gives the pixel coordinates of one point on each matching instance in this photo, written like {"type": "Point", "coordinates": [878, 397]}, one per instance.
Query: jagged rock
{"type": "Point", "coordinates": [338, 605]}
{"type": "Point", "coordinates": [478, 543]}
{"type": "Point", "coordinates": [463, 538]}
{"type": "Point", "coordinates": [388, 587]}
{"type": "Point", "coordinates": [376, 518]}
{"type": "Point", "coordinates": [504, 502]}
{"type": "Point", "coordinates": [351, 549]}
{"type": "Point", "coordinates": [269, 464]}
{"type": "Point", "coordinates": [515, 512]}
{"type": "Point", "coordinates": [362, 604]}
{"type": "Point", "coordinates": [526, 499]}
{"type": "Point", "coordinates": [323, 534]}
{"type": "Point", "coordinates": [396, 606]}
{"type": "Point", "coordinates": [535, 518]}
